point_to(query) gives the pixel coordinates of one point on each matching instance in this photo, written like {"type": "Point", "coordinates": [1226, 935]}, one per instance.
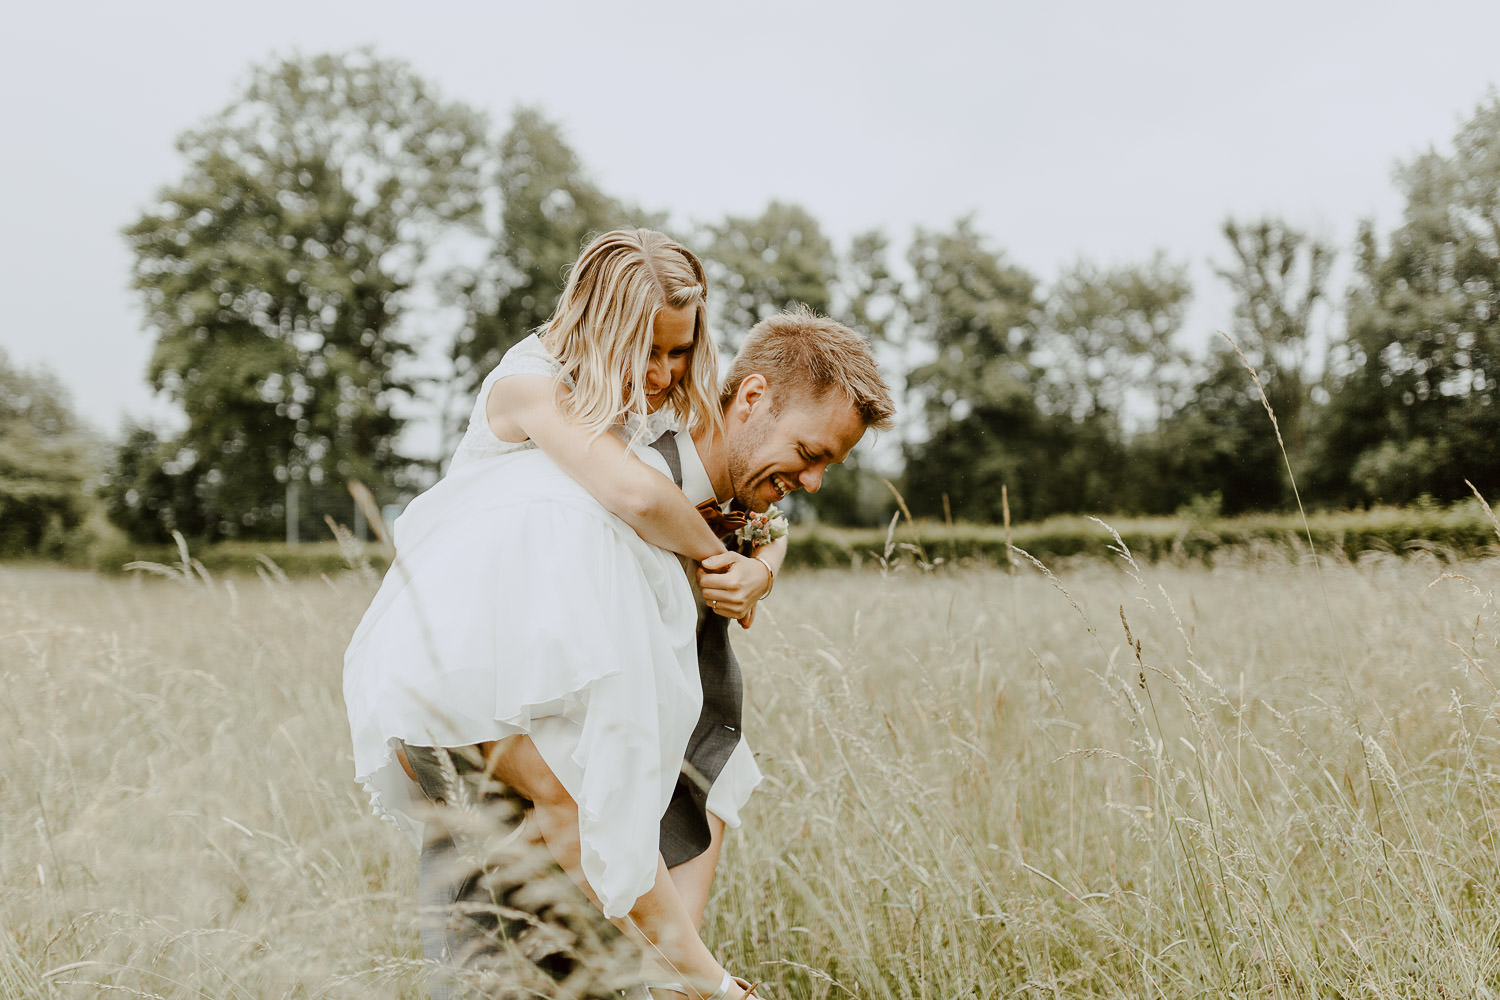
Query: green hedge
{"type": "Point", "coordinates": [241, 557]}
{"type": "Point", "coordinates": [1461, 531]}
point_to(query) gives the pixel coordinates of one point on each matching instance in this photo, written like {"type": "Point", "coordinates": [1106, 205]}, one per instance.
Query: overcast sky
{"type": "Point", "coordinates": [1090, 128]}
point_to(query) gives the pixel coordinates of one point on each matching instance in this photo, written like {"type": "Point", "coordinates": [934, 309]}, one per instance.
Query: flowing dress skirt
{"type": "Point", "coordinates": [518, 604]}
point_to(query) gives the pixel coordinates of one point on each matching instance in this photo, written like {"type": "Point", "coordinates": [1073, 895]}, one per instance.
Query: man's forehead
{"type": "Point", "coordinates": [828, 428]}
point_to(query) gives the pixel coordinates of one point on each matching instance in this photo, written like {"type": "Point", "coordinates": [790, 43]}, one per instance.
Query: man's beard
{"type": "Point", "coordinates": [739, 450]}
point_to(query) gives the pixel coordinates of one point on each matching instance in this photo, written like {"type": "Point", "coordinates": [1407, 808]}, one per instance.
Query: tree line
{"type": "Point", "coordinates": [340, 225]}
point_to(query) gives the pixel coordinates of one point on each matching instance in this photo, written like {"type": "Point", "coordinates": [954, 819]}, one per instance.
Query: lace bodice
{"type": "Point", "coordinates": [529, 357]}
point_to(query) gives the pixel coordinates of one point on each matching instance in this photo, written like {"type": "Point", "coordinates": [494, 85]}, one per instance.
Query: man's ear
{"type": "Point", "coordinates": [752, 392]}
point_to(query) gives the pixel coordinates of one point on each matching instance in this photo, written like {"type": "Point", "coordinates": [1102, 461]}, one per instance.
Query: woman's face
{"type": "Point", "coordinates": [671, 352]}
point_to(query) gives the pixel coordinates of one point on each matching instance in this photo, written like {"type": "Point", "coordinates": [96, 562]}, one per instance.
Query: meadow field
{"type": "Point", "coordinates": [1267, 778]}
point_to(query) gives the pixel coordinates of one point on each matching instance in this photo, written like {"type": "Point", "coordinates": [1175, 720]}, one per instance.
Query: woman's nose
{"type": "Point", "coordinates": [658, 375]}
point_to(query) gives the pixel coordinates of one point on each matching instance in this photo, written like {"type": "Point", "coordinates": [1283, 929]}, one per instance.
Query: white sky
{"type": "Point", "coordinates": [1081, 127]}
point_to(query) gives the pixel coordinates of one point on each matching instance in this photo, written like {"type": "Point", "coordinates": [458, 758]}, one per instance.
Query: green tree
{"type": "Point", "coordinates": [868, 291]}
{"type": "Point", "coordinates": [151, 489]}
{"type": "Point", "coordinates": [759, 265]}
{"type": "Point", "coordinates": [48, 462]}
{"type": "Point", "coordinates": [1221, 441]}
{"type": "Point", "coordinates": [1416, 405]}
{"type": "Point", "coordinates": [1279, 277]}
{"type": "Point", "coordinates": [1108, 340]}
{"type": "Point", "coordinates": [1111, 332]}
{"type": "Point", "coordinates": [549, 208]}
{"type": "Point", "coordinates": [869, 297]}
{"type": "Point", "coordinates": [976, 314]}
{"type": "Point", "coordinates": [1219, 444]}
{"type": "Point", "coordinates": [1154, 298]}
{"type": "Point", "coordinates": [277, 271]}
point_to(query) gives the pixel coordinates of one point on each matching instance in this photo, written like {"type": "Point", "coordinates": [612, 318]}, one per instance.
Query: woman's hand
{"type": "Point", "coordinates": [731, 585]}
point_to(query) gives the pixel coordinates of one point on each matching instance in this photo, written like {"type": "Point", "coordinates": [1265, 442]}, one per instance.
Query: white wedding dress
{"type": "Point", "coordinates": [517, 604]}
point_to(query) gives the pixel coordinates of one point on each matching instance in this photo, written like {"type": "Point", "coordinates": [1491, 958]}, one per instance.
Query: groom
{"type": "Point", "coordinates": [800, 395]}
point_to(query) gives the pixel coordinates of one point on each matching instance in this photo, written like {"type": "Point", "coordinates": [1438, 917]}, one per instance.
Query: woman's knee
{"type": "Point", "coordinates": [516, 763]}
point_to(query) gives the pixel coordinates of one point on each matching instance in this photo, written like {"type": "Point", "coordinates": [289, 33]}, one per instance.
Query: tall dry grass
{"type": "Point", "coordinates": [178, 815]}
{"type": "Point", "coordinates": [1260, 780]}
{"type": "Point", "coordinates": [985, 787]}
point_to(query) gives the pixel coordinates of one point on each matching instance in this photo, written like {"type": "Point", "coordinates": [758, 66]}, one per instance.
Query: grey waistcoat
{"type": "Point", "coordinates": [684, 826]}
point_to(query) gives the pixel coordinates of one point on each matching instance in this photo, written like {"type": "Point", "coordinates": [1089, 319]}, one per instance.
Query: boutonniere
{"type": "Point", "coordinates": [763, 529]}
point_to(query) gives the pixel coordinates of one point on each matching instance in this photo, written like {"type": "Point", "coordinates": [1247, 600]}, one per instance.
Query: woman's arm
{"type": "Point", "coordinates": [659, 916]}
{"type": "Point", "coordinates": [774, 554]}
{"type": "Point", "coordinates": [525, 406]}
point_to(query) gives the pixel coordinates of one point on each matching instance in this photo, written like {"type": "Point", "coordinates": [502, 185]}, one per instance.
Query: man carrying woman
{"type": "Point", "coordinates": [530, 659]}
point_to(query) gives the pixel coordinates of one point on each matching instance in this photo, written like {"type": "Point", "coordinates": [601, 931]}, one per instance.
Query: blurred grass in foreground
{"type": "Point", "coordinates": [978, 785]}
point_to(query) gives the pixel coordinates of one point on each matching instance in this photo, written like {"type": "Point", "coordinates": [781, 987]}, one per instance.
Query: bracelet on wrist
{"type": "Point", "coordinates": [771, 585]}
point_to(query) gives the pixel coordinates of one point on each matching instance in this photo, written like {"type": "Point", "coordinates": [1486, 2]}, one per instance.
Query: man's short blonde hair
{"type": "Point", "coordinates": [803, 357]}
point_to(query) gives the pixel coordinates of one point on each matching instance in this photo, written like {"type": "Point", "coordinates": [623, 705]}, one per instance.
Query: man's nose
{"type": "Point", "coordinates": [812, 477]}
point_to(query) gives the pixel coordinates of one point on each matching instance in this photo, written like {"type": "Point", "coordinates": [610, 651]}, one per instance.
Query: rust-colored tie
{"type": "Point", "coordinates": [722, 523]}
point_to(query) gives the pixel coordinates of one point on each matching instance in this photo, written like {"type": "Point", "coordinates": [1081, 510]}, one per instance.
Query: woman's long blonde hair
{"type": "Point", "coordinates": [602, 329]}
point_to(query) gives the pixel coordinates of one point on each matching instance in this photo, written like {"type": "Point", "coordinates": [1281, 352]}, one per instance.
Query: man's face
{"type": "Point", "coordinates": [770, 456]}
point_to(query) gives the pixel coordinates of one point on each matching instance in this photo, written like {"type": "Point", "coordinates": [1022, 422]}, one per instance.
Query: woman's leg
{"type": "Point", "coordinates": [494, 906]}
{"type": "Point", "coordinates": [695, 878]}
{"type": "Point", "coordinates": [660, 919]}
